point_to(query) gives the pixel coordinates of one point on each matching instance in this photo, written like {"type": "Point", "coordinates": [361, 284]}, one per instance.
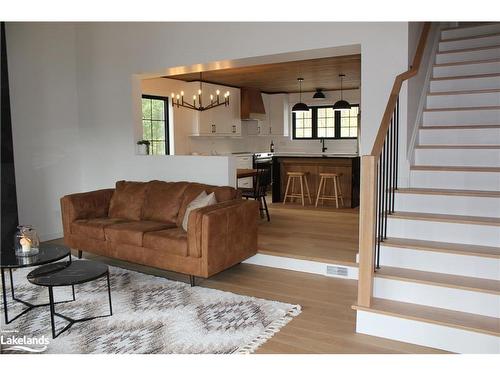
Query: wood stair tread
{"type": "Point", "coordinates": [450, 318]}
{"type": "Point", "coordinates": [459, 219]}
{"type": "Point", "coordinates": [466, 193]}
{"type": "Point", "coordinates": [453, 168]}
{"type": "Point", "coordinates": [463, 92]}
{"type": "Point", "coordinates": [443, 247]}
{"type": "Point", "coordinates": [461, 27]}
{"type": "Point", "coordinates": [468, 76]}
{"type": "Point", "coordinates": [452, 109]}
{"type": "Point", "coordinates": [440, 279]}
{"type": "Point", "coordinates": [471, 62]}
{"type": "Point", "coordinates": [469, 49]}
{"type": "Point", "coordinates": [464, 147]}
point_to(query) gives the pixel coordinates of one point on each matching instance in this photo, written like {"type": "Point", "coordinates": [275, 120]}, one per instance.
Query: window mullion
{"type": "Point", "coordinates": [314, 123]}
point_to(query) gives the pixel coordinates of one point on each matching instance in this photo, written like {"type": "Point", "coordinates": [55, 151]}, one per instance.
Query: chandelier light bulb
{"type": "Point", "coordinates": [199, 91]}
{"type": "Point", "coordinates": [172, 95]}
{"type": "Point", "coordinates": [194, 97]}
{"type": "Point", "coordinates": [217, 92]}
{"type": "Point", "coordinates": [177, 96]}
{"type": "Point", "coordinates": [182, 93]}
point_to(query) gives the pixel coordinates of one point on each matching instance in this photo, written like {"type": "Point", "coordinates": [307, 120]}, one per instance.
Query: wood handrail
{"type": "Point", "coordinates": [396, 87]}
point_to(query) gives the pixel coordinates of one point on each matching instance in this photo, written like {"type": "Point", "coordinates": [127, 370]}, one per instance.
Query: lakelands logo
{"type": "Point", "coordinates": [12, 342]}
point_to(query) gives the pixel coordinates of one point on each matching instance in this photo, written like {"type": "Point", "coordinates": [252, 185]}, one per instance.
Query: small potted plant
{"type": "Point", "coordinates": [143, 147]}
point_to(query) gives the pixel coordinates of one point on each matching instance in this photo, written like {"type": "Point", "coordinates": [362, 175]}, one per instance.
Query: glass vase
{"type": "Point", "coordinates": [26, 241]}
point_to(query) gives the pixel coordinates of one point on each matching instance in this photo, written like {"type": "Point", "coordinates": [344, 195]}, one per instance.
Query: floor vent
{"type": "Point", "coordinates": [336, 271]}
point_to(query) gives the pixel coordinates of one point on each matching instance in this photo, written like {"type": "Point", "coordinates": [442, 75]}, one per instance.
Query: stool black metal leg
{"type": "Point", "coordinates": [109, 295]}
{"type": "Point", "coordinates": [11, 284]}
{"type": "Point", "coordinates": [73, 290]}
{"type": "Point", "coordinates": [4, 294]}
{"type": "Point", "coordinates": [51, 303]}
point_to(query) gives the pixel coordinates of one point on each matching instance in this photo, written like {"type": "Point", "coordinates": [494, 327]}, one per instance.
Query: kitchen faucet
{"type": "Point", "coordinates": [323, 148]}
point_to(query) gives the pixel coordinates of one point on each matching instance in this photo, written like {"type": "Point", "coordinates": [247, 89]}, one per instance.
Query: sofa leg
{"type": "Point", "coordinates": [191, 280]}
{"type": "Point", "coordinates": [80, 253]}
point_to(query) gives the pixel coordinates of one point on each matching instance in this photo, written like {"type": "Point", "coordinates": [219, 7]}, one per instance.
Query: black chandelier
{"type": "Point", "coordinates": [215, 101]}
{"type": "Point", "coordinates": [341, 104]}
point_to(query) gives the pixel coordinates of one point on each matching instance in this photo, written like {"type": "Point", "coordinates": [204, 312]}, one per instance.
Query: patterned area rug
{"type": "Point", "coordinates": [150, 315]}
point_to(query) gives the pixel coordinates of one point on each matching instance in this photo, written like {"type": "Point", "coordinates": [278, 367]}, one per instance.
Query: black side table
{"type": "Point", "coordinates": [9, 260]}
{"type": "Point", "coordinates": [66, 274]}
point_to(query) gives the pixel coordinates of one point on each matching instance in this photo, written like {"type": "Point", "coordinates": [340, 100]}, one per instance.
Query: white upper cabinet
{"type": "Point", "coordinates": [278, 115]}
{"type": "Point", "coordinates": [222, 120]}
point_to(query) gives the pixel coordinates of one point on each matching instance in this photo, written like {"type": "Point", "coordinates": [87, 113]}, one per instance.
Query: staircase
{"type": "Point", "coordinates": [439, 279]}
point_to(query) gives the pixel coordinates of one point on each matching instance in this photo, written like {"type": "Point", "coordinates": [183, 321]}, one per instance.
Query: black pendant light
{"type": "Point", "coordinates": [300, 107]}
{"type": "Point", "coordinates": [341, 104]}
{"type": "Point", "coordinates": [319, 94]}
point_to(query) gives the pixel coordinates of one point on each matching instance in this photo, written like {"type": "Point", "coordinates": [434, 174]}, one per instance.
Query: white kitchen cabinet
{"type": "Point", "coordinates": [278, 115]}
{"type": "Point", "coordinates": [245, 162]}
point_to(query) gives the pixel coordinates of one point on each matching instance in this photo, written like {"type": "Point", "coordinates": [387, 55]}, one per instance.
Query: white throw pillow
{"type": "Point", "coordinates": [202, 200]}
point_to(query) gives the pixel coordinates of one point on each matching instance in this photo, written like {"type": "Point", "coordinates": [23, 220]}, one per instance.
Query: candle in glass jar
{"type": "Point", "coordinates": [26, 244]}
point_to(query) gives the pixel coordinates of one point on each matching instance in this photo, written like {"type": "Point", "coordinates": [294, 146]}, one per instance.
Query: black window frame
{"type": "Point", "coordinates": [166, 105]}
{"type": "Point", "coordinates": [314, 122]}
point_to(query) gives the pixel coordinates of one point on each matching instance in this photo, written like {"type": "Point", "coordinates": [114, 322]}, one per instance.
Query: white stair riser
{"type": "Point", "coordinates": [426, 334]}
{"type": "Point", "coordinates": [485, 41]}
{"type": "Point", "coordinates": [461, 84]}
{"type": "Point", "coordinates": [458, 157]}
{"type": "Point", "coordinates": [449, 263]}
{"type": "Point", "coordinates": [463, 117]}
{"type": "Point", "coordinates": [470, 31]}
{"type": "Point", "coordinates": [468, 301]}
{"type": "Point", "coordinates": [455, 180]}
{"type": "Point", "coordinates": [479, 136]}
{"type": "Point", "coordinates": [464, 100]}
{"type": "Point", "coordinates": [469, 69]}
{"type": "Point", "coordinates": [448, 204]}
{"type": "Point", "coordinates": [482, 54]}
{"type": "Point", "coordinates": [486, 235]}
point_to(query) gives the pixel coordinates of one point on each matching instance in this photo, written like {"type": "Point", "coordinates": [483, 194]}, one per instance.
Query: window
{"type": "Point", "coordinates": [155, 124]}
{"type": "Point", "coordinates": [326, 122]}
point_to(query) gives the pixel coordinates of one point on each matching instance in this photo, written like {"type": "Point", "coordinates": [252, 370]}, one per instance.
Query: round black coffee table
{"type": "Point", "coordinates": [69, 274]}
{"type": "Point", "coordinates": [9, 260]}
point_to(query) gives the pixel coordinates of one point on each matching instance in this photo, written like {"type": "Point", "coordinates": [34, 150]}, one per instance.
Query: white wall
{"type": "Point", "coordinates": [108, 55]}
{"type": "Point", "coordinates": [43, 92]}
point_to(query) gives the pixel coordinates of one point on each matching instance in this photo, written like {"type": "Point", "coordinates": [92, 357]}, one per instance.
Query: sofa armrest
{"type": "Point", "coordinates": [224, 234]}
{"type": "Point", "coordinates": [84, 206]}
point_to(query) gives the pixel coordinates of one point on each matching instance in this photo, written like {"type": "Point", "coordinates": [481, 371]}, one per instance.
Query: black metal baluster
{"type": "Point", "coordinates": [390, 197]}
{"type": "Point", "coordinates": [379, 210]}
{"type": "Point", "coordinates": [396, 111]}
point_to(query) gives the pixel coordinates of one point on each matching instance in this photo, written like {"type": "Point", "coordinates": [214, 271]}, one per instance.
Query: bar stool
{"type": "Point", "coordinates": [301, 177]}
{"type": "Point", "coordinates": [334, 177]}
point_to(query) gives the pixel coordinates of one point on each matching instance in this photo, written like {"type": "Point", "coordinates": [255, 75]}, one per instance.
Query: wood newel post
{"type": "Point", "coordinates": [367, 222]}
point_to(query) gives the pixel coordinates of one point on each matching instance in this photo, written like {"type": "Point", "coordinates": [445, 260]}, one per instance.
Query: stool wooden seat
{"type": "Point", "coordinates": [334, 177]}
{"type": "Point", "coordinates": [301, 177]}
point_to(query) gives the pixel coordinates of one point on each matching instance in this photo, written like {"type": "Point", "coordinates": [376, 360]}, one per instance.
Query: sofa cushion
{"type": "Point", "coordinates": [222, 194]}
{"type": "Point", "coordinates": [163, 201]}
{"type": "Point", "coordinates": [202, 200]}
{"type": "Point", "coordinates": [132, 232]}
{"type": "Point", "coordinates": [173, 241]}
{"type": "Point", "coordinates": [127, 200]}
{"type": "Point", "coordinates": [93, 228]}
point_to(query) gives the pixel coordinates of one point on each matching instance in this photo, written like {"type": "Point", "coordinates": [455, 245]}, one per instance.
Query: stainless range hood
{"type": "Point", "coordinates": [252, 105]}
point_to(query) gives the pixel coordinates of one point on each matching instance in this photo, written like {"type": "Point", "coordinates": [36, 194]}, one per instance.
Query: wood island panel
{"type": "Point", "coordinates": [348, 167]}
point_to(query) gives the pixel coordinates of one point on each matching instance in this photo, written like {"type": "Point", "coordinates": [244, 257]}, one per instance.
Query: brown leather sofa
{"type": "Point", "coordinates": [140, 222]}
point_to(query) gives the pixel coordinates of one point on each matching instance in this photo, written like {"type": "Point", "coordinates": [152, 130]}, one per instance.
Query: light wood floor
{"type": "Point", "coordinates": [322, 234]}
{"type": "Point", "coordinates": [327, 322]}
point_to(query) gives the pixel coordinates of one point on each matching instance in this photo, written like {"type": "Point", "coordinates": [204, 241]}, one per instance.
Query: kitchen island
{"type": "Point", "coordinates": [313, 164]}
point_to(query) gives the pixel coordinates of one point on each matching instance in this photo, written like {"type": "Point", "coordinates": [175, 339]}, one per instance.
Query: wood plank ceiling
{"type": "Point", "coordinates": [282, 77]}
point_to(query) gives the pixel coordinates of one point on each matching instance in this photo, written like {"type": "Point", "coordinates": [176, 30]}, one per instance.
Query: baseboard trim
{"type": "Point", "coordinates": [301, 265]}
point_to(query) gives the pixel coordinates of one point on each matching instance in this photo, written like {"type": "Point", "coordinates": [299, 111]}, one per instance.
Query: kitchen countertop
{"type": "Point", "coordinates": [314, 155]}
